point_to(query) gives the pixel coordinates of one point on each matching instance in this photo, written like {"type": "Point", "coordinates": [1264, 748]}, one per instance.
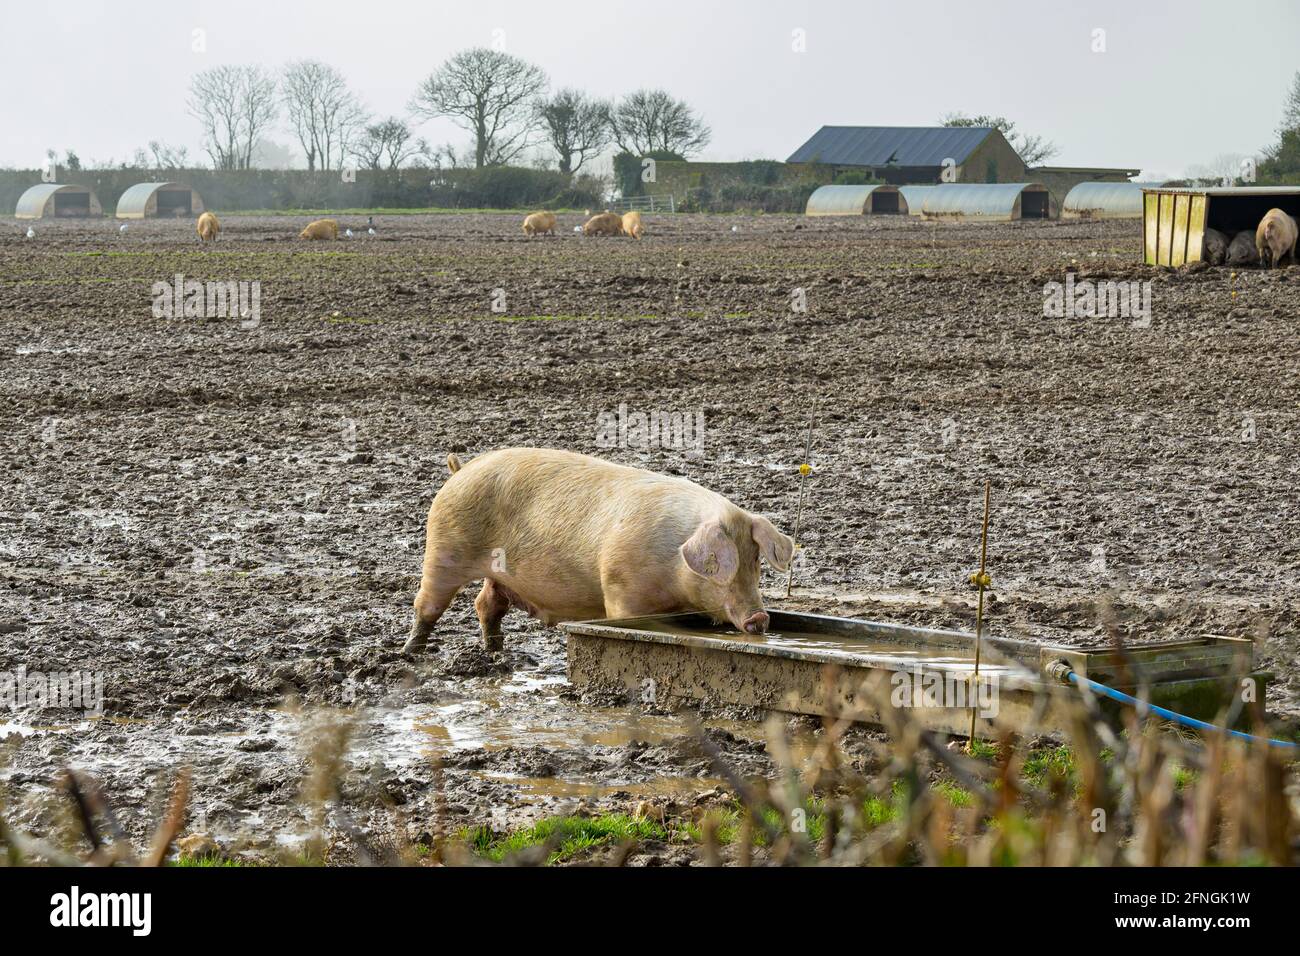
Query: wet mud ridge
{"type": "Point", "coordinates": [223, 517]}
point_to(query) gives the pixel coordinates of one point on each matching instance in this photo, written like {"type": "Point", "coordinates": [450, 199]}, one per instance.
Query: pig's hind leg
{"type": "Point", "coordinates": [438, 586]}
{"type": "Point", "coordinates": [492, 604]}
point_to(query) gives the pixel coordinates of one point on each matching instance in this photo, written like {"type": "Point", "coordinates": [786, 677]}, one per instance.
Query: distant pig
{"type": "Point", "coordinates": [1214, 247]}
{"type": "Point", "coordinates": [632, 224]}
{"type": "Point", "coordinates": [567, 537]}
{"type": "Point", "coordinates": [603, 224]}
{"type": "Point", "coordinates": [1275, 239]}
{"type": "Point", "coordinates": [208, 227]}
{"type": "Point", "coordinates": [320, 229]}
{"type": "Point", "coordinates": [1242, 251]}
{"type": "Point", "coordinates": [538, 223]}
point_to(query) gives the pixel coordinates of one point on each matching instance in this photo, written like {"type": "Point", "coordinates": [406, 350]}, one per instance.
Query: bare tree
{"type": "Point", "coordinates": [576, 126]}
{"type": "Point", "coordinates": [1291, 109]}
{"type": "Point", "coordinates": [235, 105]}
{"type": "Point", "coordinates": [166, 156]}
{"type": "Point", "coordinates": [388, 143]}
{"type": "Point", "coordinates": [323, 112]}
{"type": "Point", "coordinates": [1224, 169]}
{"type": "Point", "coordinates": [1031, 149]}
{"type": "Point", "coordinates": [488, 92]}
{"type": "Point", "coordinates": [652, 120]}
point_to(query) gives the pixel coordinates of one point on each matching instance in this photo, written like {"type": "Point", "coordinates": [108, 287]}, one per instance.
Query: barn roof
{"type": "Point", "coordinates": [890, 145]}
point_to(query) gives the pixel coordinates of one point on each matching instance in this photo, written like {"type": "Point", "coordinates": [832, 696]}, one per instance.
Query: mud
{"type": "Point", "coordinates": [225, 518]}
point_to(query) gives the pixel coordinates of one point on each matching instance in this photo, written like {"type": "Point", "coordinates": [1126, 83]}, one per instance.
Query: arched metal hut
{"type": "Point", "coordinates": [1103, 201]}
{"type": "Point", "coordinates": [913, 198]}
{"type": "Point", "coordinates": [56, 201]}
{"type": "Point", "coordinates": [988, 202]}
{"type": "Point", "coordinates": [159, 201]}
{"type": "Point", "coordinates": [855, 201]}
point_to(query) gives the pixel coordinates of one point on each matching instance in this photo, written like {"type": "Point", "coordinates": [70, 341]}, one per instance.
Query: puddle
{"type": "Point", "coordinates": [494, 719]}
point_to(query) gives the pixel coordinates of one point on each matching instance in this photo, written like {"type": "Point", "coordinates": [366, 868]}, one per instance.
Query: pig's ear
{"type": "Point", "coordinates": [777, 549]}
{"type": "Point", "coordinates": [710, 553]}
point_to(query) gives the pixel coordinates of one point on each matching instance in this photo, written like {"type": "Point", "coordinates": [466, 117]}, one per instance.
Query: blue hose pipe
{"type": "Point", "coordinates": [1183, 719]}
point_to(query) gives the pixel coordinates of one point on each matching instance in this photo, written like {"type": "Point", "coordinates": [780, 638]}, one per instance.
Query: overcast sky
{"type": "Point", "coordinates": [1178, 83]}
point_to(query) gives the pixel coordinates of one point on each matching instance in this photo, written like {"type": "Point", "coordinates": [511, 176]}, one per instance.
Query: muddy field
{"type": "Point", "coordinates": [225, 516]}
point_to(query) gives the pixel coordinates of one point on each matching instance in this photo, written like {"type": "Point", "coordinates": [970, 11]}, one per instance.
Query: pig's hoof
{"type": "Point", "coordinates": [418, 639]}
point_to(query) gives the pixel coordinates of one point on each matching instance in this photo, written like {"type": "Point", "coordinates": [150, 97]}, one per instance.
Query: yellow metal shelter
{"type": "Point", "coordinates": [1174, 220]}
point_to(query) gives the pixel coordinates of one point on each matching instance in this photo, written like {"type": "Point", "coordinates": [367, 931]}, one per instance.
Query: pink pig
{"type": "Point", "coordinates": [568, 537]}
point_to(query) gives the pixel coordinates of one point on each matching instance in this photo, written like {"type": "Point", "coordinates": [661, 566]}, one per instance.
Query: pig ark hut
{"type": "Point", "coordinates": [855, 201]}
{"type": "Point", "coordinates": [1103, 201]}
{"type": "Point", "coordinates": [159, 201]}
{"type": "Point", "coordinates": [914, 198]}
{"type": "Point", "coordinates": [988, 202]}
{"type": "Point", "coordinates": [54, 201]}
{"type": "Point", "coordinates": [1174, 220]}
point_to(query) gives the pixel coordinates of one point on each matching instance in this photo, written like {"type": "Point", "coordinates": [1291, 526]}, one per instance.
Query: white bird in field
{"type": "Point", "coordinates": [371, 231]}
{"type": "Point", "coordinates": [735, 229]}
{"type": "Point", "coordinates": [31, 233]}
{"type": "Point", "coordinates": [122, 228]}
{"type": "Point", "coordinates": [370, 224]}
{"type": "Point", "coordinates": [577, 229]}
{"type": "Point", "coordinates": [348, 233]}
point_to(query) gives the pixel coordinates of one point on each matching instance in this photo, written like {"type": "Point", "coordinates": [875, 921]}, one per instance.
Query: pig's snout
{"type": "Point", "coordinates": [756, 623]}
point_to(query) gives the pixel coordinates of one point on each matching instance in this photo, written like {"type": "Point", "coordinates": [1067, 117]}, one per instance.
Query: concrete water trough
{"type": "Point", "coordinates": [818, 665]}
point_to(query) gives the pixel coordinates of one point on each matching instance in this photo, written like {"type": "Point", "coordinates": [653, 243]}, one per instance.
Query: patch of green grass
{"type": "Point", "coordinates": [1041, 765]}
{"type": "Point", "coordinates": [572, 836]}
{"type": "Point", "coordinates": [1184, 777]}
{"type": "Point", "coordinates": [957, 796]}
{"type": "Point", "coordinates": [983, 750]}
{"type": "Point", "coordinates": [877, 811]}
{"type": "Point", "coordinates": [568, 836]}
{"type": "Point", "coordinates": [206, 860]}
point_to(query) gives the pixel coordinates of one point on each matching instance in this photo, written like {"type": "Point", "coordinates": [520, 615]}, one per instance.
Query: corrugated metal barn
{"type": "Point", "coordinates": [158, 200]}
{"type": "Point", "coordinates": [855, 201]}
{"type": "Point", "coordinates": [988, 202]}
{"type": "Point", "coordinates": [1103, 201]}
{"type": "Point", "coordinates": [54, 201]}
{"type": "Point", "coordinates": [915, 154]}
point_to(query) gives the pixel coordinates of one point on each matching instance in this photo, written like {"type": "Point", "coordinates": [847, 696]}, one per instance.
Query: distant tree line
{"type": "Point", "coordinates": [1281, 162]}
{"type": "Point", "coordinates": [502, 101]}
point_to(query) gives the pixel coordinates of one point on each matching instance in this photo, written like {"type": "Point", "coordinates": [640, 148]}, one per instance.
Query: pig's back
{"type": "Point", "coordinates": [540, 496]}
